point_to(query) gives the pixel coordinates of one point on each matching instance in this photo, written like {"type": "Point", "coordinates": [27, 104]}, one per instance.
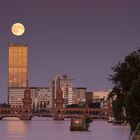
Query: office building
{"type": "Point", "coordinates": [17, 65]}
{"type": "Point", "coordinates": [66, 87]}
{"type": "Point", "coordinates": [79, 95]}
{"type": "Point", "coordinates": [40, 98]}
{"type": "Point", "coordinates": [17, 70]}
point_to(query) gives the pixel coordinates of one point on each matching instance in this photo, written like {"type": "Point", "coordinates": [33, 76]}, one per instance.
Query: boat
{"type": "Point", "coordinates": [80, 123]}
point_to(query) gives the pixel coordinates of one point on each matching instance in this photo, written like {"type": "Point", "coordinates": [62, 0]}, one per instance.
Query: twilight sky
{"type": "Point", "coordinates": [80, 38]}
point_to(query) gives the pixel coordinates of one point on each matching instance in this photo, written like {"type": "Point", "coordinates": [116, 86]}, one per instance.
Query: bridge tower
{"type": "Point", "coordinates": [27, 101]}
{"type": "Point", "coordinates": [58, 111]}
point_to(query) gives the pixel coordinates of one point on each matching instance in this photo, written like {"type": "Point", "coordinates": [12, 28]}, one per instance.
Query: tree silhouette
{"type": "Point", "coordinates": [125, 80]}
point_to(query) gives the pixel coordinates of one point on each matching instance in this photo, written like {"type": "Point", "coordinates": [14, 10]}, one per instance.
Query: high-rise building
{"type": "Point", "coordinates": [17, 65]}
{"type": "Point", "coordinates": [79, 95]}
{"type": "Point", "coordinates": [66, 87]}
{"type": "Point", "coordinates": [18, 78]}
{"type": "Point", "coordinates": [17, 68]}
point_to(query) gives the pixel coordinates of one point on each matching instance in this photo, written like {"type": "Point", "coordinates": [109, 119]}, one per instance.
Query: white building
{"type": "Point", "coordinates": [40, 97]}
{"type": "Point", "coordinates": [101, 94]}
{"type": "Point", "coordinates": [66, 87]}
{"type": "Point", "coordinates": [15, 97]}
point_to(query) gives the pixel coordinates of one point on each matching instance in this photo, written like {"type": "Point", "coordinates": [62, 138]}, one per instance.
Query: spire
{"type": "Point", "coordinates": [27, 84]}
{"type": "Point", "coordinates": [27, 87]}
{"type": "Point", "coordinates": [27, 90]}
{"type": "Point", "coordinates": [58, 83]}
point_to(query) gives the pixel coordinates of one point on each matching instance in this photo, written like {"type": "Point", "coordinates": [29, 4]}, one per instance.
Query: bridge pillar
{"type": "Point", "coordinates": [58, 111]}
{"type": "Point", "coordinates": [26, 113]}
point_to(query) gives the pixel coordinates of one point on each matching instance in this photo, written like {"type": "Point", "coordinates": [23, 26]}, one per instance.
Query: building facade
{"type": "Point", "coordinates": [79, 95]}
{"type": "Point", "coordinates": [17, 65]}
{"type": "Point", "coordinates": [101, 97]}
{"type": "Point", "coordinates": [40, 98]}
{"type": "Point", "coordinates": [66, 87]}
{"type": "Point", "coordinates": [17, 70]}
{"type": "Point", "coordinates": [89, 97]}
{"type": "Point", "coordinates": [18, 78]}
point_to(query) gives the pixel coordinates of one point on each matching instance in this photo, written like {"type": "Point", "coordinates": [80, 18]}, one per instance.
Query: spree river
{"type": "Point", "coordinates": [48, 129]}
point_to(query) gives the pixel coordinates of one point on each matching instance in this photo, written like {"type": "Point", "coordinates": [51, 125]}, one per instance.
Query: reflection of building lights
{"type": "Point", "coordinates": [76, 122]}
{"type": "Point", "coordinates": [16, 127]}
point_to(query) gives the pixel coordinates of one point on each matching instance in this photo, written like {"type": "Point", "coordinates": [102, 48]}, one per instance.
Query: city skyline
{"type": "Point", "coordinates": [82, 39]}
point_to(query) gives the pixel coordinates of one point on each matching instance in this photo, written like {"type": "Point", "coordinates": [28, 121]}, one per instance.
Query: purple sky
{"type": "Point", "coordinates": [80, 38]}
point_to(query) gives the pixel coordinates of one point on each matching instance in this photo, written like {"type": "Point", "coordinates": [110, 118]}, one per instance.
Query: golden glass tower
{"type": "Point", "coordinates": [17, 65]}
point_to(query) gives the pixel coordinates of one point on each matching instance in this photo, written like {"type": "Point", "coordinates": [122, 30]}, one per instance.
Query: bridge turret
{"type": "Point", "coordinates": [27, 101]}
{"type": "Point", "coordinates": [58, 112]}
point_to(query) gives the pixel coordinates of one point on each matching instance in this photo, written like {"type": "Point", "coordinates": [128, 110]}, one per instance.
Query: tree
{"type": "Point", "coordinates": [133, 104]}
{"type": "Point", "coordinates": [125, 77]}
{"type": "Point", "coordinates": [117, 105]}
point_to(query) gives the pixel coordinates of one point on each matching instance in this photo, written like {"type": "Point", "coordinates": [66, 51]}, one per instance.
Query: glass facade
{"type": "Point", "coordinates": [17, 65]}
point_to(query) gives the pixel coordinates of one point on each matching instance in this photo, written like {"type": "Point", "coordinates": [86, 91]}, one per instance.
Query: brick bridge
{"type": "Point", "coordinates": [14, 112]}
{"type": "Point", "coordinates": [23, 113]}
{"type": "Point", "coordinates": [97, 113]}
{"type": "Point", "coordinates": [61, 113]}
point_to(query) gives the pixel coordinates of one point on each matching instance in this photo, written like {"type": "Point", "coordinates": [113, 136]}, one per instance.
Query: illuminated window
{"type": "Point", "coordinates": [17, 68]}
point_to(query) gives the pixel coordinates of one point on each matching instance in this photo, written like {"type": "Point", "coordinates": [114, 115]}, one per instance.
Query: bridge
{"type": "Point", "coordinates": [61, 113]}
{"type": "Point", "coordinates": [95, 113]}
{"type": "Point", "coordinates": [24, 113]}
{"type": "Point", "coordinates": [98, 113]}
{"type": "Point", "coordinates": [14, 112]}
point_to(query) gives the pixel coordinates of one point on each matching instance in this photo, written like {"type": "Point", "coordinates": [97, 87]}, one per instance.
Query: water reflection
{"type": "Point", "coordinates": [16, 127]}
{"type": "Point", "coordinates": [51, 130]}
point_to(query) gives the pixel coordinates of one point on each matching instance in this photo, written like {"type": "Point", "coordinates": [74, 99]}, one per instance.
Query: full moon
{"type": "Point", "coordinates": [18, 29]}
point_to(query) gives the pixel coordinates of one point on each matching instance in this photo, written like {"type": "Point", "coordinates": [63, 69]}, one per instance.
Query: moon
{"type": "Point", "coordinates": [18, 29]}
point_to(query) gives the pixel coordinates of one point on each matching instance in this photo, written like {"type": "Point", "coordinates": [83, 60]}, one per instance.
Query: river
{"type": "Point", "coordinates": [48, 129]}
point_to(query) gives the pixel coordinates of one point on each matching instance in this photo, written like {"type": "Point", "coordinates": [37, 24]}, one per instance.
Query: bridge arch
{"type": "Point", "coordinates": [6, 116]}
